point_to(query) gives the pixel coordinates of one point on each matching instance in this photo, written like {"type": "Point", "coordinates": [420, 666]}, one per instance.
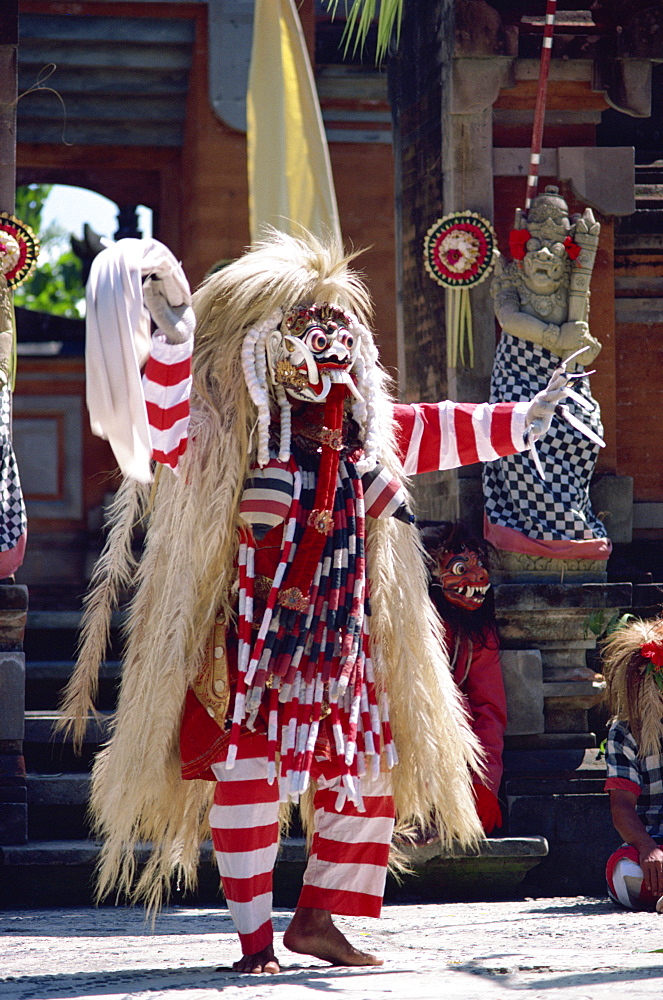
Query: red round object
{"type": "Point", "coordinates": [459, 249]}
{"type": "Point", "coordinates": [18, 252]}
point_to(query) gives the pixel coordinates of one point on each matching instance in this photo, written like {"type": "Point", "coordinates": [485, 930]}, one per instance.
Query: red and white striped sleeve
{"type": "Point", "coordinates": [167, 387]}
{"type": "Point", "coordinates": [435, 436]}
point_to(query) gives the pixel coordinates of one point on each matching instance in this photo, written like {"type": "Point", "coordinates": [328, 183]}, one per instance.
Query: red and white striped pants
{"type": "Point", "coordinates": [347, 866]}
{"type": "Point", "coordinates": [626, 882]}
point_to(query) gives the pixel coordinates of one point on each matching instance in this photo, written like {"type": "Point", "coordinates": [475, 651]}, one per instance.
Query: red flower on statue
{"type": "Point", "coordinates": [518, 239]}
{"type": "Point", "coordinates": [653, 651]}
{"type": "Point", "coordinates": [571, 247]}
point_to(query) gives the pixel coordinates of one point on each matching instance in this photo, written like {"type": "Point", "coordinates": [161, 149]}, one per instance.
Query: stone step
{"type": "Point", "coordinates": [57, 632]}
{"type": "Point", "coordinates": [554, 763]}
{"type": "Point", "coordinates": [555, 786]}
{"type": "Point", "coordinates": [58, 789]}
{"type": "Point", "coordinates": [83, 852]}
{"type": "Point", "coordinates": [40, 727]}
{"type": "Point", "coordinates": [578, 827]}
{"type": "Point", "coordinates": [50, 752]}
{"type": "Point", "coordinates": [45, 680]}
{"type": "Point", "coordinates": [47, 619]}
{"type": "Point", "coordinates": [57, 806]}
{"type": "Point", "coordinates": [60, 872]}
{"type": "Point", "coordinates": [551, 741]}
{"type": "Point", "coordinates": [61, 670]}
{"type": "Point", "coordinates": [73, 852]}
{"type": "Point", "coordinates": [68, 619]}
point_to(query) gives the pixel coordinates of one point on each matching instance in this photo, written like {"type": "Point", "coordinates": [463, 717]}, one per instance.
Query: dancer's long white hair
{"type": "Point", "coordinates": [186, 575]}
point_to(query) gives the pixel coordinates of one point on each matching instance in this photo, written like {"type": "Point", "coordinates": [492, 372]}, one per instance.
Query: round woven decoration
{"type": "Point", "coordinates": [19, 249]}
{"type": "Point", "coordinates": [460, 249]}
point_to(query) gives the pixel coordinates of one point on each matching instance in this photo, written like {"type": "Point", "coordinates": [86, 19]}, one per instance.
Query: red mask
{"type": "Point", "coordinates": [463, 578]}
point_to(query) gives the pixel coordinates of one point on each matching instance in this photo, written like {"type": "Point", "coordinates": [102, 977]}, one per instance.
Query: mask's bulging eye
{"type": "Point", "coordinates": [458, 568]}
{"type": "Point", "coordinates": [347, 339]}
{"type": "Point", "coordinates": [316, 339]}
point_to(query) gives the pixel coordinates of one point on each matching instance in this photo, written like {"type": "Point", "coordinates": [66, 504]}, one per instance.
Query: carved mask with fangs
{"type": "Point", "coordinates": [314, 347]}
{"type": "Point", "coordinates": [463, 578]}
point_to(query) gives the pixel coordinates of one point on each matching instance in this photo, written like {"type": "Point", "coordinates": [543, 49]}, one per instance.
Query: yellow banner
{"type": "Point", "coordinates": [290, 178]}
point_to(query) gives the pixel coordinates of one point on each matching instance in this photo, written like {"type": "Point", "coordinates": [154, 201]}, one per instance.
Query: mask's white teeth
{"type": "Point", "coordinates": [312, 370]}
{"type": "Point", "coordinates": [326, 386]}
{"type": "Point", "coordinates": [346, 379]}
{"type": "Point", "coordinates": [301, 350]}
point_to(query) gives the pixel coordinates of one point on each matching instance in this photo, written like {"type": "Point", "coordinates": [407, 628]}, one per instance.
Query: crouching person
{"type": "Point", "coordinates": [633, 667]}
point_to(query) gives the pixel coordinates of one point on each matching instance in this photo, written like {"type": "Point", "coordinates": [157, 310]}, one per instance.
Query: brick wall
{"type": "Point", "coordinates": [639, 366]}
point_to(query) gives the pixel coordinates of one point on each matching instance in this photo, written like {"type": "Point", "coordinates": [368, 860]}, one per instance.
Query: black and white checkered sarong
{"type": "Point", "coordinates": [13, 521]}
{"type": "Point", "coordinates": [515, 496]}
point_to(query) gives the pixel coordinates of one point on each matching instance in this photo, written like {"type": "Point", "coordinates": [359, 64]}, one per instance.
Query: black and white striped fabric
{"type": "Point", "coordinates": [267, 497]}
{"type": "Point", "coordinates": [384, 496]}
{"type": "Point", "coordinates": [515, 496]}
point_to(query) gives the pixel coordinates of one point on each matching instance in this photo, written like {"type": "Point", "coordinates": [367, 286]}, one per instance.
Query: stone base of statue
{"type": "Point", "coordinates": [517, 567]}
{"type": "Point", "coordinates": [555, 619]}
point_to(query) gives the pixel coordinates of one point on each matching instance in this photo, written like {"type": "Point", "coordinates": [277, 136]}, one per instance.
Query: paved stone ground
{"type": "Point", "coordinates": [543, 949]}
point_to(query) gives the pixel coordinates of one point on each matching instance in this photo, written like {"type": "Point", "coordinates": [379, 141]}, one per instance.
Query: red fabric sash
{"type": "Point", "coordinates": [295, 592]}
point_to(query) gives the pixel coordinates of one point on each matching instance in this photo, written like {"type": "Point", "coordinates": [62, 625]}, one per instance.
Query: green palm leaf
{"type": "Point", "coordinates": [360, 15]}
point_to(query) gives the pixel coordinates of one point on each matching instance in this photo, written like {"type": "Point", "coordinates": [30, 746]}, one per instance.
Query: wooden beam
{"type": "Point", "coordinates": [8, 96]}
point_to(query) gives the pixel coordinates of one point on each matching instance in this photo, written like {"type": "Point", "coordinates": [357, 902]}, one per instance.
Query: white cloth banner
{"type": "Point", "coordinates": [118, 342]}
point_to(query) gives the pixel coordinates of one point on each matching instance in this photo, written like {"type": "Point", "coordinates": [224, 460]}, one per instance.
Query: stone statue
{"type": "Point", "coordinates": [542, 305]}
{"type": "Point", "coordinates": [13, 521]}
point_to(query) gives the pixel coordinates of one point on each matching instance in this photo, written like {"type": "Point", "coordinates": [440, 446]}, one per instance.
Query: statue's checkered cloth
{"type": "Point", "coordinates": [13, 521]}
{"type": "Point", "coordinates": [515, 496]}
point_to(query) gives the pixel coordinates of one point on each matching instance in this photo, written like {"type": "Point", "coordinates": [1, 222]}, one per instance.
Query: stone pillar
{"type": "Point", "coordinates": [8, 96]}
{"type": "Point", "coordinates": [482, 64]}
{"type": "Point", "coordinates": [419, 90]}
{"type": "Point", "coordinates": [451, 61]}
{"type": "Point", "coordinates": [13, 600]}
{"type": "Point", "coordinates": [484, 53]}
{"type": "Point", "coordinates": [13, 793]}
{"type": "Point", "coordinates": [555, 619]}
{"type": "Point", "coordinates": [522, 671]}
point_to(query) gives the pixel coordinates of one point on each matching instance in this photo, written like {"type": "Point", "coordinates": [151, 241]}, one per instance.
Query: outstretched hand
{"type": "Point", "coordinates": [173, 316]}
{"type": "Point", "coordinates": [542, 408]}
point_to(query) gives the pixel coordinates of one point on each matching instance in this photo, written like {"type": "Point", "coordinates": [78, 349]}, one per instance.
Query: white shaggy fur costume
{"type": "Point", "coordinates": [188, 575]}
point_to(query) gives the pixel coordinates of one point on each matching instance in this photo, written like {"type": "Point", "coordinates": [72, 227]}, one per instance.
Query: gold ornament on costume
{"type": "Point", "coordinates": [298, 319]}
{"type": "Point", "coordinates": [332, 437]}
{"type": "Point", "coordinates": [321, 520]}
{"type": "Point", "coordinates": [286, 374]}
{"type": "Point", "coordinates": [211, 685]}
{"type": "Point", "coordinates": [293, 599]}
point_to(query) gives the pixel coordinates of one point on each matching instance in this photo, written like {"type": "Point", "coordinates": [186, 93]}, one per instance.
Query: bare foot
{"type": "Point", "coordinates": [312, 932]}
{"type": "Point", "coordinates": [262, 961]}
